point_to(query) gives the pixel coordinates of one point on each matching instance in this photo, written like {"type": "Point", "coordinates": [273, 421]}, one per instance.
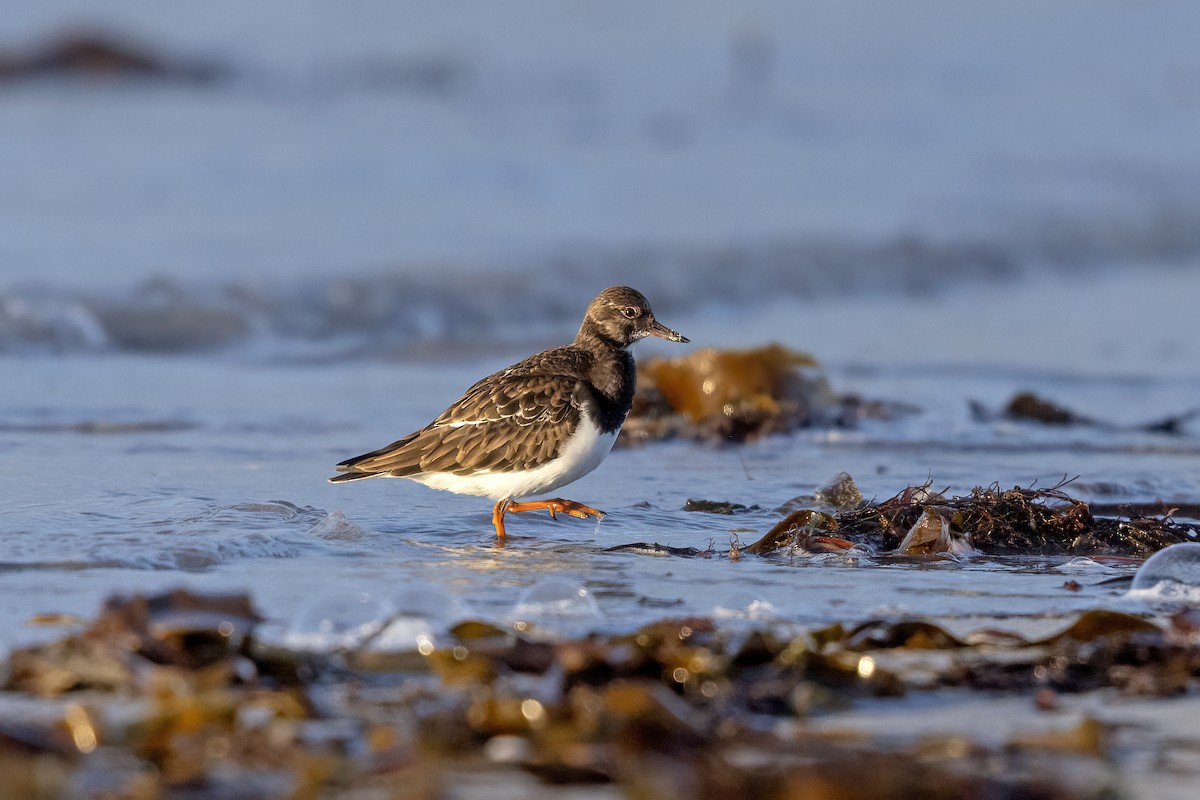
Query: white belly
{"type": "Point", "coordinates": [582, 453]}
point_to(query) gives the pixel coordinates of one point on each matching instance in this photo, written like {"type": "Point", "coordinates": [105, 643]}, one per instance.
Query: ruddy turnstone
{"type": "Point", "coordinates": [534, 427]}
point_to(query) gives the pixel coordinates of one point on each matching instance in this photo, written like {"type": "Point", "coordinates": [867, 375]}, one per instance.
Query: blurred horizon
{"type": "Point", "coordinates": [313, 169]}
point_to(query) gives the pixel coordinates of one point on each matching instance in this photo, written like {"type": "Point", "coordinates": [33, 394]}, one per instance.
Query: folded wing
{"type": "Point", "coordinates": [506, 422]}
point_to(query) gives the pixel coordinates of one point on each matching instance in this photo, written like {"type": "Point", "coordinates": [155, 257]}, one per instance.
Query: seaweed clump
{"type": "Point", "coordinates": [675, 708]}
{"type": "Point", "coordinates": [738, 395]}
{"type": "Point", "coordinates": [1016, 521]}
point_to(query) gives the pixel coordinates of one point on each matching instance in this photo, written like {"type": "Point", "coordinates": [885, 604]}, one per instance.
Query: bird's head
{"type": "Point", "coordinates": [623, 316]}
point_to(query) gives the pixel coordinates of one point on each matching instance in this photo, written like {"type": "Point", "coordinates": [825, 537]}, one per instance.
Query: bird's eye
{"type": "Point", "coordinates": [629, 311]}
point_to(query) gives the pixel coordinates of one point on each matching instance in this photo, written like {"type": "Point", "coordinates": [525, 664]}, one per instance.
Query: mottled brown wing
{"type": "Point", "coordinates": [505, 422]}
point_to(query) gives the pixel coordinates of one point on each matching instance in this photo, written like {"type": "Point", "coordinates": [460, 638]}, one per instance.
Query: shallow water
{"type": "Point", "coordinates": [209, 472]}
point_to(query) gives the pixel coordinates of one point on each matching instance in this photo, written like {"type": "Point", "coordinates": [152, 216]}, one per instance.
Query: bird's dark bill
{"type": "Point", "coordinates": [656, 328]}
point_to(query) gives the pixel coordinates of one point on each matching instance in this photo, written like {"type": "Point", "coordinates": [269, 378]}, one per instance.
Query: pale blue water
{"type": "Point", "coordinates": [210, 295]}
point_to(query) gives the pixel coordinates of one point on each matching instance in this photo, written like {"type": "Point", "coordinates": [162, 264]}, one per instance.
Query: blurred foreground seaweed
{"type": "Point", "coordinates": [1017, 521]}
{"type": "Point", "coordinates": [174, 696]}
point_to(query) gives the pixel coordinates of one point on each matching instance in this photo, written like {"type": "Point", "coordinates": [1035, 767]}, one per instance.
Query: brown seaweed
{"type": "Point", "coordinates": [673, 708]}
{"type": "Point", "coordinates": [738, 395]}
{"type": "Point", "coordinates": [1026, 521]}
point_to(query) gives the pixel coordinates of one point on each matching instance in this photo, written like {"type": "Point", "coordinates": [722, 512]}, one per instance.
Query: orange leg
{"type": "Point", "coordinates": [498, 518]}
{"type": "Point", "coordinates": [555, 507]}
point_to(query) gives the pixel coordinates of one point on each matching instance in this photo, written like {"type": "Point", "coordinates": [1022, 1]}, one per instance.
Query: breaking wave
{"type": "Point", "coordinates": [406, 308]}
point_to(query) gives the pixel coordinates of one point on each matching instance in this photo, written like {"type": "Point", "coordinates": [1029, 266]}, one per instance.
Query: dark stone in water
{"type": "Point", "coordinates": [660, 550]}
{"type": "Point", "coordinates": [1027, 405]}
{"type": "Point", "coordinates": [98, 55]}
{"type": "Point", "coordinates": [841, 492]}
{"type": "Point", "coordinates": [716, 507]}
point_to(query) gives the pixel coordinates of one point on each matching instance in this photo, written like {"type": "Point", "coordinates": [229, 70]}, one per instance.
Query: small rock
{"type": "Point", "coordinates": [841, 492]}
{"type": "Point", "coordinates": [715, 507]}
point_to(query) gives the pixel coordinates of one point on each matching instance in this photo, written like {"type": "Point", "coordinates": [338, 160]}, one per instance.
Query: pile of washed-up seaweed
{"type": "Point", "coordinates": [1022, 521]}
{"type": "Point", "coordinates": [175, 696]}
{"type": "Point", "coordinates": [735, 395]}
